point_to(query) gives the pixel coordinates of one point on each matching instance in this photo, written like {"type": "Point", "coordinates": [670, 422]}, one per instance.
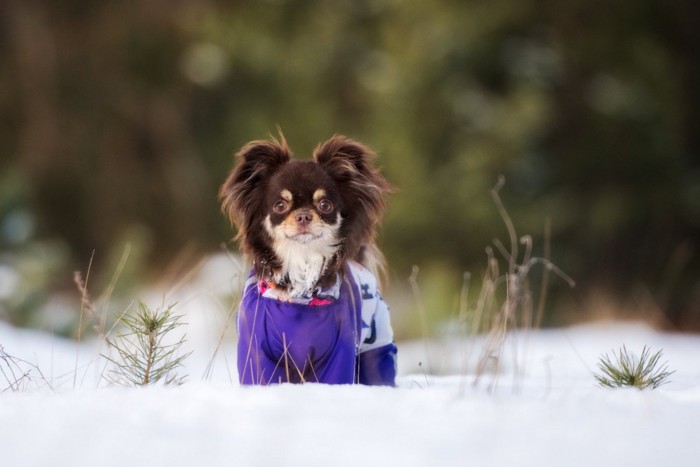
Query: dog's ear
{"type": "Point", "coordinates": [243, 191]}
{"type": "Point", "coordinates": [361, 186]}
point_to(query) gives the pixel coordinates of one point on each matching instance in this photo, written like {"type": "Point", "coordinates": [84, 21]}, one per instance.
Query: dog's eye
{"type": "Point", "coordinates": [280, 207]}
{"type": "Point", "coordinates": [325, 206]}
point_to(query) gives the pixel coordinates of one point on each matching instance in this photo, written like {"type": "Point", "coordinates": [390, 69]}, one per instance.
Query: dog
{"type": "Point", "coordinates": [311, 310]}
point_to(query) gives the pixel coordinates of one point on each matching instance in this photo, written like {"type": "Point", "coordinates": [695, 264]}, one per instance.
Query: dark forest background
{"type": "Point", "coordinates": [119, 119]}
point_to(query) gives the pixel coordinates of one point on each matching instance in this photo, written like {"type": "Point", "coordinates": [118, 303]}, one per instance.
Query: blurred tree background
{"type": "Point", "coordinates": [119, 121]}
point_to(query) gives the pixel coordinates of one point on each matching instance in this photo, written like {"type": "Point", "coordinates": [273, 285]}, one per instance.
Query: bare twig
{"type": "Point", "coordinates": [17, 373]}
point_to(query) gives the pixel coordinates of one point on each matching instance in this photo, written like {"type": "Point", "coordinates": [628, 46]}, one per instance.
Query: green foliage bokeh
{"type": "Point", "coordinates": [120, 120]}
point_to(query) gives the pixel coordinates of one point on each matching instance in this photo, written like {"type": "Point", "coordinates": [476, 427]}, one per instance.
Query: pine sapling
{"type": "Point", "coordinates": [626, 370]}
{"type": "Point", "coordinates": [143, 356]}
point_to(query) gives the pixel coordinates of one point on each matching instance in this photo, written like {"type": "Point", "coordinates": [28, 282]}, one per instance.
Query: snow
{"type": "Point", "coordinates": [552, 415]}
{"type": "Point", "coordinates": [543, 409]}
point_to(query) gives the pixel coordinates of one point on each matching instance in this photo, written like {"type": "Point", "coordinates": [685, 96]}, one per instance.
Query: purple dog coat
{"type": "Point", "coordinates": [338, 336]}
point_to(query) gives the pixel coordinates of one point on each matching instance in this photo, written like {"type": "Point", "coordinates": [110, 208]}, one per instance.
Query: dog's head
{"type": "Point", "coordinates": [304, 217]}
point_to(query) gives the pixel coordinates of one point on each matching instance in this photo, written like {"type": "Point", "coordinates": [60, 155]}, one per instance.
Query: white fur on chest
{"type": "Point", "coordinates": [304, 261]}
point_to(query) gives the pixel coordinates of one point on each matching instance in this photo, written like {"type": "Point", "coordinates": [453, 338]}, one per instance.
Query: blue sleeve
{"type": "Point", "coordinates": [377, 367]}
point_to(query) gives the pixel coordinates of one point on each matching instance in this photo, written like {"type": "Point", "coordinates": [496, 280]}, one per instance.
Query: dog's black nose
{"type": "Point", "coordinates": [303, 217]}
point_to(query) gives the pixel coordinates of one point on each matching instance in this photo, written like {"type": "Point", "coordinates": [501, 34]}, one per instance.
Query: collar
{"type": "Point", "coordinates": [269, 289]}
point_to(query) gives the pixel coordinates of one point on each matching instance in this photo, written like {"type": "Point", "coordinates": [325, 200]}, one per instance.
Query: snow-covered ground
{"type": "Point", "coordinates": [544, 409]}
{"type": "Point", "coordinates": [549, 414]}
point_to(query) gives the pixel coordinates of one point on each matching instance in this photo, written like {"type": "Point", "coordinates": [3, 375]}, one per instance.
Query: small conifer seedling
{"type": "Point", "coordinates": [143, 354]}
{"type": "Point", "coordinates": [626, 370]}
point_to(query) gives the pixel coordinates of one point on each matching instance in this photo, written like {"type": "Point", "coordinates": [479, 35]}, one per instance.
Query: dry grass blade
{"type": "Point", "coordinates": [506, 301]}
{"type": "Point", "coordinates": [17, 373]}
{"type": "Point", "coordinates": [87, 304]}
{"type": "Point", "coordinates": [237, 284]}
{"type": "Point", "coordinates": [422, 312]}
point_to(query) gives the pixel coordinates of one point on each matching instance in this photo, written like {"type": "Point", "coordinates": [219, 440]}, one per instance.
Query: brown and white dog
{"type": "Point", "coordinates": [309, 227]}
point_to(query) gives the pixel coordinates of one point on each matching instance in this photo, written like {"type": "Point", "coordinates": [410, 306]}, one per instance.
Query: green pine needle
{"type": "Point", "coordinates": [142, 356]}
{"type": "Point", "coordinates": [625, 370]}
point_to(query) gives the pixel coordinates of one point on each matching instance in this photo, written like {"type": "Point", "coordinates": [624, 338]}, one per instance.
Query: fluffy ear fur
{"type": "Point", "coordinates": [361, 187]}
{"type": "Point", "coordinates": [243, 192]}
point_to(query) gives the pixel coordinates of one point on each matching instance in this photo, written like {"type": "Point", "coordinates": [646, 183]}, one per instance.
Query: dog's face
{"type": "Point", "coordinates": [303, 206]}
{"type": "Point", "coordinates": [301, 220]}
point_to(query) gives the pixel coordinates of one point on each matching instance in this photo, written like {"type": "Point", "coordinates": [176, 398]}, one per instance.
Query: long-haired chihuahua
{"type": "Point", "coordinates": [311, 309]}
